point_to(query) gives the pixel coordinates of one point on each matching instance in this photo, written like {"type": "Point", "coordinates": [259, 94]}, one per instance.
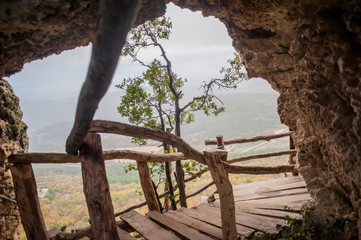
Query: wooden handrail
{"type": "Point", "coordinates": [258, 169]}
{"type": "Point", "coordinates": [247, 140]}
{"type": "Point", "coordinates": [108, 155]}
{"type": "Point", "coordinates": [263, 155]}
{"type": "Point", "coordinates": [129, 130]}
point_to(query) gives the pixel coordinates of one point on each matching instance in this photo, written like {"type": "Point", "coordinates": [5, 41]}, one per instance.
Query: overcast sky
{"type": "Point", "coordinates": [198, 48]}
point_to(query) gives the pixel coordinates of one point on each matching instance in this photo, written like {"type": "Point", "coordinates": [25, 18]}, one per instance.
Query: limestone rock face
{"type": "Point", "coordinates": [31, 30]}
{"type": "Point", "coordinates": [13, 139]}
{"type": "Point", "coordinates": [309, 51]}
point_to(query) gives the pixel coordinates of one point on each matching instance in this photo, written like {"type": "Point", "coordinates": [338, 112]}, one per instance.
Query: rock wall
{"type": "Point", "coordinates": [13, 139]}
{"type": "Point", "coordinates": [309, 51]}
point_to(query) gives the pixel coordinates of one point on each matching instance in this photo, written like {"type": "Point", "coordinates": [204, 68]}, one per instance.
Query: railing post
{"type": "Point", "coordinates": [214, 159]}
{"type": "Point", "coordinates": [96, 189]}
{"type": "Point", "coordinates": [147, 186]}
{"type": "Point", "coordinates": [28, 202]}
{"type": "Point", "coordinates": [291, 160]}
{"type": "Point", "coordinates": [220, 142]}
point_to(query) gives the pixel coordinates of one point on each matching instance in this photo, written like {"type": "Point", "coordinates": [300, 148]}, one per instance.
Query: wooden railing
{"type": "Point", "coordinates": [96, 187]}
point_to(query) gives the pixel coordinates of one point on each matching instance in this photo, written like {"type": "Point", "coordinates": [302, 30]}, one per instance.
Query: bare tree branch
{"type": "Point", "coordinates": [116, 17]}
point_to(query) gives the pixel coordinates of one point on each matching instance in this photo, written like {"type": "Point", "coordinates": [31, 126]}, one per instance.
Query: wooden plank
{"type": "Point", "coordinates": [148, 229]}
{"type": "Point", "coordinates": [214, 160]}
{"type": "Point", "coordinates": [271, 182]}
{"type": "Point", "coordinates": [268, 191]}
{"type": "Point", "coordinates": [272, 194]}
{"type": "Point", "coordinates": [147, 186]}
{"type": "Point", "coordinates": [181, 229]}
{"type": "Point", "coordinates": [281, 199]}
{"type": "Point", "coordinates": [124, 235]}
{"type": "Point", "coordinates": [96, 189]}
{"type": "Point", "coordinates": [268, 212]}
{"type": "Point", "coordinates": [268, 188]}
{"type": "Point", "coordinates": [264, 205]}
{"type": "Point", "coordinates": [28, 202]}
{"type": "Point", "coordinates": [213, 219]}
{"type": "Point", "coordinates": [197, 224]}
{"type": "Point", "coordinates": [261, 223]}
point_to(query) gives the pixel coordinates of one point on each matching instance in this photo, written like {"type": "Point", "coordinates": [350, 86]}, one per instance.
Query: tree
{"type": "Point", "coordinates": [154, 98]}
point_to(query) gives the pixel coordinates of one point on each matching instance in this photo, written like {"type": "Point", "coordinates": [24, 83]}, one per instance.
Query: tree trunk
{"type": "Point", "coordinates": [179, 169]}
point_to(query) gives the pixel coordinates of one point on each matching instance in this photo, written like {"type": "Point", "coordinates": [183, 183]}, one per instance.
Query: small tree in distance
{"type": "Point", "coordinates": [153, 99]}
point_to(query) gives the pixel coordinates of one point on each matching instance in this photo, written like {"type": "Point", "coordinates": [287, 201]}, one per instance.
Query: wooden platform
{"type": "Point", "coordinates": [259, 207]}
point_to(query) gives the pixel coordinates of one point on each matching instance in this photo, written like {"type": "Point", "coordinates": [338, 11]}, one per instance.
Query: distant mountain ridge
{"type": "Point", "coordinates": [248, 113]}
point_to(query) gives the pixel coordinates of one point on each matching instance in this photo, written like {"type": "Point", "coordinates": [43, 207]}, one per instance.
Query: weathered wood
{"type": "Point", "coordinates": [147, 133]}
{"type": "Point", "coordinates": [124, 235]}
{"type": "Point", "coordinates": [214, 160]}
{"type": "Point", "coordinates": [115, 19]}
{"type": "Point", "coordinates": [88, 232]}
{"type": "Point", "coordinates": [179, 174]}
{"type": "Point", "coordinates": [213, 218]}
{"type": "Point", "coordinates": [220, 142]}
{"type": "Point", "coordinates": [197, 224]}
{"type": "Point", "coordinates": [108, 155]}
{"type": "Point", "coordinates": [247, 140]}
{"type": "Point", "coordinates": [169, 184]}
{"type": "Point", "coordinates": [147, 186]}
{"type": "Point", "coordinates": [128, 209]}
{"type": "Point", "coordinates": [200, 190]}
{"type": "Point", "coordinates": [28, 202]}
{"type": "Point", "coordinates": [96, 189]}
{"type": "Point", "coordinates": [148, 229]}
{"type": "Point", "coordinates": [181, 229]}
{"type": "Point", "coordinates": [141, 204]}
{"type": "Point", "coordinates": [263, 155]}
{"type": "Point", "coordinates": [261, 223]}
{"type": "Point", "coordinates": [258, 169]}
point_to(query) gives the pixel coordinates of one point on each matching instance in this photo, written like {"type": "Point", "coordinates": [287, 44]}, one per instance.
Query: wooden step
{"type": "Point", "coordinates": [197, 224]}
{"type": "Point", "coordinates": [180, 228]}
{"type": "Point", "coordinates": [214, 219]}
{"type": "Point", "coordinates": [146, 227]}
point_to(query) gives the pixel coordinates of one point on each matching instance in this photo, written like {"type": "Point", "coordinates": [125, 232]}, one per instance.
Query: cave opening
{"type": "Point", "coordinates": [307, 53]}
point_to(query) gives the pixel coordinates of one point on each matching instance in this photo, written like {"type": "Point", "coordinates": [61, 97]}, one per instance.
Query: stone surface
{"type": "Point", "coordinates": [13, 139]}
{"type": "Point", "coordinates": [309, 51]}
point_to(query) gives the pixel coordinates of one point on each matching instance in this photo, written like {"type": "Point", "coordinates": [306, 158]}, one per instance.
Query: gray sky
{"type": "Point", "coordinates": [198, 48]}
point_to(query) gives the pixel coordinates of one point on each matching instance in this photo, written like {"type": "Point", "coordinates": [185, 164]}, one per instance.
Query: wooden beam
{"type": "Point", "coordinates": [215, 159]}
{"type": "Point", "coordinates": [116, 17]}
{"type": "Point", "coordinates": [263, 155]}
{"type": "Point", "coordinates": [258, 169]}
{"type": "Point", "coordinates": [247, 140]}
{"type": "Point", "coordinates": [148, 133]}
{"type": "Point", "coordinates": [200, 190]}
{"type": "Point", "coordinates": [108, 155]}
{"type": "Point", "coordinates": [88, 232]}
{"type": "Point", "coordinates": [147, 186]}
{"type": "Point", "coordinates": [28, 202]}
{"type": "Point", "coordinates": [96, 189]}
{"type": "Point", "coordinates": [220, 142]}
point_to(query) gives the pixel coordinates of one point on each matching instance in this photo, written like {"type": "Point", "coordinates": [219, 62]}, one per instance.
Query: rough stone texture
{"type": "Point", "coordinates": [31, 30]}
{"type": "Point", "coordinates": [13, 139]}
{"type": "Point", "coordinates": [309, 51]}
